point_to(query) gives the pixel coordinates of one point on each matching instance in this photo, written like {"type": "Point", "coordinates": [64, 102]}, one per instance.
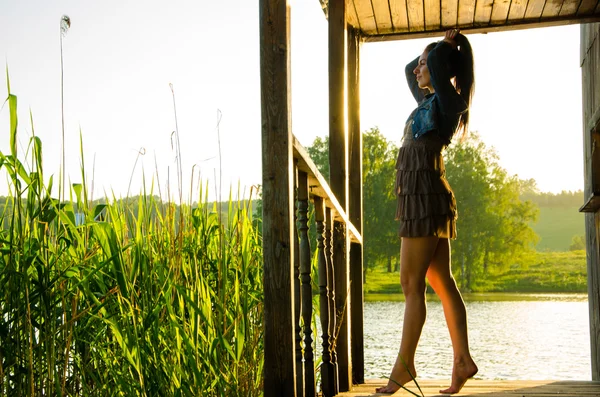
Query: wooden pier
{"type": "Point", "coordinates": [487, 388]}
{"type": "Point", "coordinates": [292, 182]}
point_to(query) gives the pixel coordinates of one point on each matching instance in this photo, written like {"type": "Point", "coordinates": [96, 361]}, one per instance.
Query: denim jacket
{"type": "Point", "coordinates": [441, 110]}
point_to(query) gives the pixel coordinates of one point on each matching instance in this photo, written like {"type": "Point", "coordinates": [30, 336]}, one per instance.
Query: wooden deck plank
{"type": "Point", "coordinates": [449, 13]}
{"type": "Point", "coordinates": [351, 15]}
{"type": "Point", "coordinates": [432, 14]}
{"type": "Point", "coordinates": [416, 19]}
{"type": "Point", "coordinates": [587, 7]}
{"type": "Point", "coordinates": [500, 12]}
{"type": "Point", "coordinates": [534, 9]}
{"type": "Point", "coordinates": [489, 388]}
{"type": "Point", "coordinates": [517, 10]}
{"type": "Point", "coordinates": [366, 16]}
{"type": "Point", "coordinates": [381, 10]}
{"type": "Point", "coordinates": [466, 12]}
{"type": "Point", "coordinates": [569, 7]}
{"type": "Point", "coordinates": [399, 15]}
{"type": "Point", "coordinates": [483, 12]}
{"type": "Point", "coordinates": [552, 8]}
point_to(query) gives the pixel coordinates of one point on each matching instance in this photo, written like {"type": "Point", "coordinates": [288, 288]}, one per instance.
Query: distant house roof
{"type": "Point", "coordinates": [401, 19]}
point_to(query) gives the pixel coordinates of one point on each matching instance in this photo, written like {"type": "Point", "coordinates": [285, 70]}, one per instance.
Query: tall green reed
{"type": "Point", "coordinates": [131, 297]}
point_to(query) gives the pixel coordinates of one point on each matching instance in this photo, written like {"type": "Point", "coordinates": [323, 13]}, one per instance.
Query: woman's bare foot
{"type": "Point", "coordinates": [399, 377]}
{"type": "Point", "coordinates": [461, 372]}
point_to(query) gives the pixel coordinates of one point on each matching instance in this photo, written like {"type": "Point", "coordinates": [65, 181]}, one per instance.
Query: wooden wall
{"type": "Point", "coordinates": [590, 67]}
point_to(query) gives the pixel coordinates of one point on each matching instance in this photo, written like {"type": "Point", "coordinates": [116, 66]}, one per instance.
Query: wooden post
{"type": "Point", "coordinates": [338, 170]}
{"type": "Point", "coordinates": [297, 295]}
{"type": "Point", "coordinates": [306, 286]}
{"type": "Point", "coordinates": [338, 136]}
{"type": "Point", "coordinates": [278, 235]}
{"type": "Point", "coordinates": [355, 205]}
{"type": "Point", "coordinates": [332, 299]}
{"type": "Point", "coordinates": [327, 368]}
{"type": "Point", "coordinates": [590, 65]}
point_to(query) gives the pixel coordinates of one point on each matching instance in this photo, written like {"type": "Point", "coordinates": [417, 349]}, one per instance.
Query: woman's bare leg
{"type": "Point", "coordinates": [441, 280]}
{"type": "Point", "coordinates": [415, 255]}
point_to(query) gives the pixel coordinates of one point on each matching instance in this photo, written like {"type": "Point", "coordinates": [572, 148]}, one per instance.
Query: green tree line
{"type": "Point", "coordinates": [494, 225]}
{"type": "Point", "coordinates": [566, 198]}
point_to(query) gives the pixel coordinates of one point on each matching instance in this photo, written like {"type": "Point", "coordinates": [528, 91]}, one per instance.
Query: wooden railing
{"type": "Point", "coordinates": [290, 180]}
{"type": "Point", "coordinates": [335, 235]}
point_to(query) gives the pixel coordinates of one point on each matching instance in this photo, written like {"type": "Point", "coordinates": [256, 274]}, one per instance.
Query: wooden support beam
{"type": "Point", "coordinates": [338, 170]}
{"type": "Point", "coordinates": [278, 234]}
{"type": "Point", "coordinates": [590, 67]}
{"type": "Point", "coordinates": [338, 136]}
{"type": "Point", "coordinates": [355, 207]}
{"type": "Point", "coordinates": [492, 27]}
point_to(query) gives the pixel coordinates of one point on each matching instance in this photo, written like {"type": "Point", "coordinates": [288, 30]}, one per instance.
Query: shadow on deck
{"type": "Point", "coordinates": [488, 388]}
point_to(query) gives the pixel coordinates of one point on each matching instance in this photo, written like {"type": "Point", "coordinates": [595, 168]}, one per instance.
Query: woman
{"type": "Point", "coordinates": [426, 204]}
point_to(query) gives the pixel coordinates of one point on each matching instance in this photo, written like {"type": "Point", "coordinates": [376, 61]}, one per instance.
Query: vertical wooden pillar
{"type": "Point", "coordinates": [278, 235]}
{"type": "Point", "coordinates": [309, 388]}
{"type": "Point", "coordinates": [355, 207]}
{"type": "Point", "coordinates": [328, 373]}
{"type": "Point", "coordinates": [332, 330]}
{"type": "Point", "coordinates": [297, 294]}
{"type": "Point", "coordinates": [338, 169]}
{"type": "Point", "coordinates": [338, 133]}
{"type": "Point", "coordinates": [590, 65]}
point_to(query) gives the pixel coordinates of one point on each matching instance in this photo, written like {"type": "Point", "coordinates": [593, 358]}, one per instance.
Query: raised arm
{"type": "Point", "coordinates": [437, 63]}
{"type": "Point", "coordinates": [411, 79]}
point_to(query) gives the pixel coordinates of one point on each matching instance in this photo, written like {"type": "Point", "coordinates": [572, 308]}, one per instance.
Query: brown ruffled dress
{"type": "Point", "coordinates": [426, 203]}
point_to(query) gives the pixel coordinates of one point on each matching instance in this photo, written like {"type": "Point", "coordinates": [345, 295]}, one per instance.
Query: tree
{"type": "Point", "coordinates": [319, 153]}
{"type": "Point", "coordinates": [380, 230]}
{"type": "Point", "coordinates": [379, 201]}
{"type": "Point", "coordinates": [577, 243]}
{"type": "Point", "coordinates": [494, 223]}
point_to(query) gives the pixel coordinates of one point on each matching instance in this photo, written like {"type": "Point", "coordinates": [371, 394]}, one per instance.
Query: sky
{"type": "Point", "coordinates": [121, 59]}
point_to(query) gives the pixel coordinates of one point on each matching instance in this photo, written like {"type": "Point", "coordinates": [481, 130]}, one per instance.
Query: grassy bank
{"type": "Point", "coordinates": [125, 299]}
{"type": "Point", "coordinates": [549, 272]}
{"type": "Point", "coordinates": [557, 226]}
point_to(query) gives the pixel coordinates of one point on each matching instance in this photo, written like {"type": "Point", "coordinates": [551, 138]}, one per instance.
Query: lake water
{"type": "Point", "coordinates": [538, 337]}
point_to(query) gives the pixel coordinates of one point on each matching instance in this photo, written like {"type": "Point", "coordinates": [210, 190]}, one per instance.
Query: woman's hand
{"type": "Point", "coordinates": [450, 37]}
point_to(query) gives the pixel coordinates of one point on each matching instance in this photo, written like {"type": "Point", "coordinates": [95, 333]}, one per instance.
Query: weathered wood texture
{"type": "Point", "coordinates": [306, 286]}
{"type": "Point", "coordinates": [338, 136]}
{"type": "Point", "coordinates": [329, 215]}
{"type": "Point", "coordinates": [297, 298]}
{"type": "Point", "coordinates": [355, 209]}
{"type": "Point", "coordinates": [320, 188]}
{"type": "Point", "coordinates": [398, 19]}
{"type": "Point", "coordinates": [338, 171]}
{"type": "Point", "coordinates": [328, 373]}
{"type": "Point", "coordinates": [278, 235]}
{"type": "Point", "coordinates": [590, 66]}
{"type": "Point", "coordinates": [490, 388]}
{"type": "Point", "coordinates": [342, 304]}
{"type": "Point", "coordinates": [399, 16]}
{"type": "Point", "coordinates": [332, 305]}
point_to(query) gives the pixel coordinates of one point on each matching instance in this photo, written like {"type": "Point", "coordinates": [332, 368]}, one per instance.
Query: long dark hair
{"type": "Point", "coordinates": [462, 67]}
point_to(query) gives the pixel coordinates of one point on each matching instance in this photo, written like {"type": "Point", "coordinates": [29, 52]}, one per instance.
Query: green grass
{"type": "Point", "coordinates": [490, 297]}
{"type": "Point", "coordinates": [549, 272]}
{"type": "Point", "coordinates": [137, 299]}
{"type": "Point", "coordinates": [557, 226]}
{"type": "Point", "coordinates": [380, 282]}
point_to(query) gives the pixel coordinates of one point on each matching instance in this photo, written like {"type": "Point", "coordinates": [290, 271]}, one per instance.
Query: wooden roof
{"type": "Point", "coordinates": [399, 19]}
